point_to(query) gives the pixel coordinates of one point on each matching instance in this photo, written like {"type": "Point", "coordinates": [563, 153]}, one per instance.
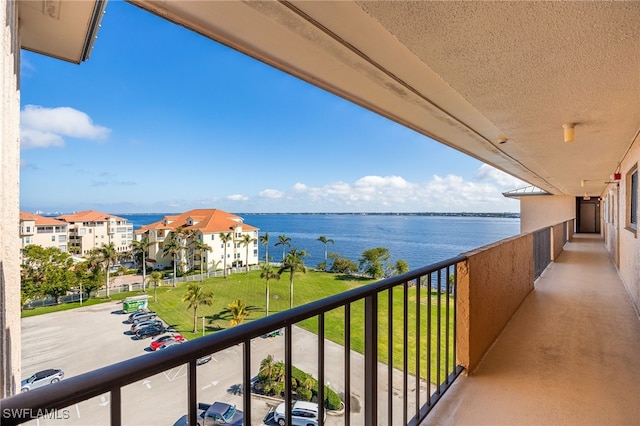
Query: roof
{"type": "Point", "coordinates": [41, 220]}
{"type": "Point", "coordinates": [61, 29]}
{"type": "Point", "coordinates": [207, 221]}
{"type": "Point", "coordinates": [89, 216]}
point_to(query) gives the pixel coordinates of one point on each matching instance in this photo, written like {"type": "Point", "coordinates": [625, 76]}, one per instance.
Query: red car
{"type": "Point", "coordinates": [165, 339]}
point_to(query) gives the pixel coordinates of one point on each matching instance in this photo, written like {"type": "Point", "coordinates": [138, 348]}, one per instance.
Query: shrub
{"type": "Point", "coordinates": [304, 394]}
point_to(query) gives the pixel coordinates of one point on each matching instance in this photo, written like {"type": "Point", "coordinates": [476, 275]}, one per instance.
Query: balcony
{"type": "Point", "coordinates": [564, 352]}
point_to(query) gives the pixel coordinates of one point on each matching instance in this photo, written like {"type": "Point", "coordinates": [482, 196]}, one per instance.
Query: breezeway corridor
{"type": "Point", "coordinates": [570, 355]}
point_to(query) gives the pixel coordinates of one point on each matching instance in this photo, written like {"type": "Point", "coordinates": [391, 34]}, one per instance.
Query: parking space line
{"type": "Point", "coordinates": [78, 410]}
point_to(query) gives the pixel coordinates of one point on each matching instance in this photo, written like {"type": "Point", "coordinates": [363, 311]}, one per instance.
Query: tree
{"type": "Point", "coordinates": [267, 274]}
{"type": "Point", "coordinates": [264, 240]}
{"type": "Point", "coordinates": [90, 277]}
{"type": "Point", "coordinates": [172, 247]}
{"type": "Point", "coordinates": [201, 246]}
{"type": "Point", "coordinates": [342, 265]}
{"type": "Point", "coordinates": [238, 312]}
{"type": "Point", "coordinates": [283, 241]}
{"type": "Point", "coordinates": [196, 296]}
{"type": "Point", "coordinates": [246, 241]}
{"type": "Point", "coordinates": [225, 237]}
{"type": "Point", "coordinates": [139, 249]}
{"type": "Point", "coordinates": [109, 256]}
{"type": "Point", "coordinates": [401, 267]}
{"type": "Point", "coordinates": [375, 262]}
{"type": "Point", "coordinates": [156, 277]}
{"type": "Point", "coordinates": [324, 240]}
{"type": "Point", "coordinates": [293, 262]}
{"type": "Point", "coordinates": [46, 271]}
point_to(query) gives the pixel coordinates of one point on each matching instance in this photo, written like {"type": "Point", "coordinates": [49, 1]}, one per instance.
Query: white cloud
{"type": "Point", "coordinates": [45, 127]}
{"type": "Point", "coordinates": [450, 193]}
{"type": "Point", "coordinates": [237, 197]}
{"type": "Point", "coordinates": [271, 193]}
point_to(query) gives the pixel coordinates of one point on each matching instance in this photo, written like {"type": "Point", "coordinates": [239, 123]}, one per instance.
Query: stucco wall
{"type": "Point", "coordinates": [492, 284]}
{"type": "Point", "coordinates": [9, 200]}
{"type": "Point", "coordinates": [629, 245]}
{"type": "Point", "coordinates": [539, 211]}
{"type": "Point", "coordinates": [557, 240]}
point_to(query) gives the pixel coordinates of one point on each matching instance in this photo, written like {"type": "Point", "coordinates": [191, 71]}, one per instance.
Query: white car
{"type": "Point", "coordinates": [303, 413]}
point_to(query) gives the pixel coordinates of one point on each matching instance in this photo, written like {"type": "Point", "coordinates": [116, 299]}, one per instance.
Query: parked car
{"type": "Point", "coordinates": [203, 360]}
{"type": "Point", "coordinates": [303, 413]}
{"type": "Point", "coordinates": [219, 413]}
{"type": "Point", "coordinates": [41, 378]}
{"type": "Point", "coordinates": [164, 339]}
{"type": "Point", "coordinates": [142, 324]}
{"type": "Point", "coordinates": [169, 344]}
{"type": "Point", "coordinates": [150, 331]}
{"type": "Point", "coordinates": [141, 315]}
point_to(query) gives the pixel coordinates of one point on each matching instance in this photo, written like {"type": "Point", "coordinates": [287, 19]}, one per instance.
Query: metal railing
{"type": "Point", "coordinates": [409, 324]}
{"type": "Point", "coordinates": [541, 250]}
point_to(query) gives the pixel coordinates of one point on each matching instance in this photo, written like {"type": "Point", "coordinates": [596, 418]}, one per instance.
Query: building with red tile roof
{"type": "Point", "coordinates": [202, 226]}
{"type": "Point", "coordinates": [92, 229]}
{"type": "Point", "coordinates": [43, 231]}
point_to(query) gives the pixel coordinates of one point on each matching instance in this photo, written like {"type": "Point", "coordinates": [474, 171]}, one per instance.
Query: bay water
{"type": "Point", "coordinates": [420, 240]}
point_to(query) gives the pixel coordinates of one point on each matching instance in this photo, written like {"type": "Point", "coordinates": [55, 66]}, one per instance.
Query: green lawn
{"type": "Point", "coordinates": [309, 287]}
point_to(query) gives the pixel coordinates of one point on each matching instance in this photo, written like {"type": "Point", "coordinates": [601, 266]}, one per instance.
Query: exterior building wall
{"type": "Point", "coordinates": [10, 352]}
{"type": "Point", "coordinates": [502, 277]}
{"type": "Point", "coordinates": [539, 211]}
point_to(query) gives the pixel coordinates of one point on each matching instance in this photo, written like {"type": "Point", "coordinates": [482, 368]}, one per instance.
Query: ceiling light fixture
{"type": "Point", "coordinates": [582, 183]}
{"type": "Point", "coordinates": [569, 131]}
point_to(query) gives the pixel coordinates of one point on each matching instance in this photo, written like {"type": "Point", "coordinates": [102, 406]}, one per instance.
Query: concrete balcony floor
{"type": "Point", "coordinates": [569, 356]}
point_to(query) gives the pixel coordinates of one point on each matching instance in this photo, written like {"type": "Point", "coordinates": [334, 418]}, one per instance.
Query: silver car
{"type": "Point", "coordinates": [142, 324]}
{"type": "Point", "coordinates": [41, 378]}
{"type": "Point", "coordinates": [303, 413]}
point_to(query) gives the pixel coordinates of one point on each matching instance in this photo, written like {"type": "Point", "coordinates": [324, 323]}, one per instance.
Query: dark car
{"type": "Point", "coordinates": [150, 331]}
{"type": "Point", "coordinates": [141, 316]}
{"type": "Point", "coordinates": [220, 413]}
{"type": "Point", "coordinates": [41, 378]}
{"type": "Point", "coordinates": [143, 324]}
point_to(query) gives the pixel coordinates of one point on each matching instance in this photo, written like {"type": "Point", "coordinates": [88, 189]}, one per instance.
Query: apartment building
{"type": "Point", "coordinates": [43, 231]}
{"type": "Point", "coordinates": [92, 229]}
{"type": "Point", "coordinates": [198, 233]}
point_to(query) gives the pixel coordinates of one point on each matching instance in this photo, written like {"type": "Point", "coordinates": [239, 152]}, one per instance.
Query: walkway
{"type": "Point", "coordinates": [569, 356]}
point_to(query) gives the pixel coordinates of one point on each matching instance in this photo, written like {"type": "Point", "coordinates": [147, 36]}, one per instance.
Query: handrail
{"type": "Point", "coordinates": [112, 378]}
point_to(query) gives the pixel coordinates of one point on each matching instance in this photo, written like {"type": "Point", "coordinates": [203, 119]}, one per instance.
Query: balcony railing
{"type": "Point", "coordinates": [409, 324]}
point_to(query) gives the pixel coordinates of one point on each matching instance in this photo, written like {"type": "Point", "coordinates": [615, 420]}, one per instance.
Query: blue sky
{"type": "Point", "coordinates": [160, 119]}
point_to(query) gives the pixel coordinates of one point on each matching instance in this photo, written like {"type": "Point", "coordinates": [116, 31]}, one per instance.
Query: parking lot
{"type": "Point", "coordinates": [84, 339]}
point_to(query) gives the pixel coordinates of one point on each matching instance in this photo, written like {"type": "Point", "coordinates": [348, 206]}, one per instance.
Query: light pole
{"type": "Point", "coordinates": [203, 326]}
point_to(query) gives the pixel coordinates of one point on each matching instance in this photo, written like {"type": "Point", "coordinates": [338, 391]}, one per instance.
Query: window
{"type": "Point", "coordinates": [28, 229]}
{"type": "Point", "coordinates": [633, 198]}
{"type": "Point", "coordinates": [53, 238]}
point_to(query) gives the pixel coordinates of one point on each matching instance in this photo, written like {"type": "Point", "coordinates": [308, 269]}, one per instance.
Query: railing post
{"type": "Point", "coordinates": [371, 360]}
{"type": "Point", "coordinates": [192, 397]}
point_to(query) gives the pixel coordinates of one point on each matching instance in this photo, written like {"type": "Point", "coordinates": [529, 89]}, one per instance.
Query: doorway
{"type": "Point", "coordinates": [588, 215]}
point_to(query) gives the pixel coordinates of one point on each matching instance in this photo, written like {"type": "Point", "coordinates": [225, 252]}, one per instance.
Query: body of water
{"type": "Point", "coordinates": [419, 240]}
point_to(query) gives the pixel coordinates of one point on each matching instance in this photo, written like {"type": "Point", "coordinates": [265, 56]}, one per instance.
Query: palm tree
{"type": "Point", "coordinates": [264, 240]}
{"type": "Point", "coordinates": [156, 277]}
{"type": "Point", "coordinates": [293, 262]}
{"type": "Point", "coordinates": [172, 247]}
{"type": "Point", "coordinates": [109, 256]}
{"type": "Point", "coordinates": [324, 240]}
{"type": "Point", "coordinates": [196, 296]}
{"type": "Point", "coordinates": [225, 237]}
{"type": "Point", "coordinates": [139, 247]}
{"type": "Point", "coordinates": [246, 240]}
{"type": "Point", "coordinates": [238, 312]}
{"type": "Point", "coordinates": [201, 246]}
{"type": "Point", "coordinates": [267, 274]}
{"type": "Point", "coordinates": [283, 241]}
